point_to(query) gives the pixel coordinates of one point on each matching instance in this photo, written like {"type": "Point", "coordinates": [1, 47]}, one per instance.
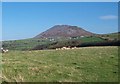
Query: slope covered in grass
{"type": "Point", "coordinates": [27, 44]}
{"type": "Point", "coordinates": [89, 64]}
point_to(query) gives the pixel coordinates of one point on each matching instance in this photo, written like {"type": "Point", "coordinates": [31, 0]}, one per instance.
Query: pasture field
{"type": "Point", "coordinates": [88, 64]}
{"type": "Point", "coordinates": [27, 44]}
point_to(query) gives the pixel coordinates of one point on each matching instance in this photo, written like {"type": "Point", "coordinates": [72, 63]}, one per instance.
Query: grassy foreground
{"type": "Point", "coordinates": [89, 64]}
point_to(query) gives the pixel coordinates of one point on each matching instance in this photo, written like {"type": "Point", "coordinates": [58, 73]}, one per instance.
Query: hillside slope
{"type": "Point", "coordinates": [64, 31]}
{"type": "Point", "coordinates": [111, 39]}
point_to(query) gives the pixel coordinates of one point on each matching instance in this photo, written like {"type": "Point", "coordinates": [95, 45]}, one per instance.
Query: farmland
{"type": "Point", "coordinates": [36, 60]}
{"type": "Point", "coordinates": [27, 44]}
{"type": "Point", "coordinates": [88, 64]}
{"type": "Point", "coordinates": [52, 43]}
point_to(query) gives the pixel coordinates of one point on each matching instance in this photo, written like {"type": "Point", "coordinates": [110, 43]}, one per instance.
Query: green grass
{"type": "Point", "coordinates": [27, 44]}
{"type": "Point", "coordinates": [89, 64]}
{"type": "Point", "coordinates": [112, 36]}
{"type": "Point", "coordinates": [0, 67]}
{"type": "Point", "coordinates": [24, 44]}
{"type": "Point", "coordinates": [91, 39]}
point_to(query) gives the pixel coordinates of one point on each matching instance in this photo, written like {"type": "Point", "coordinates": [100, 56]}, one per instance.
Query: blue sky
{"type": "Point", "coordinates": [22, 20]}
{"type": "Point", "coordinates": [60, 0]}
{"type": "Point", "coordinates": [0, 21]}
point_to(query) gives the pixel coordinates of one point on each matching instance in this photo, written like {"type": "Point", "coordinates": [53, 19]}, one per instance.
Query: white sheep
{"type": "Point", "coordinates": [4, 50]}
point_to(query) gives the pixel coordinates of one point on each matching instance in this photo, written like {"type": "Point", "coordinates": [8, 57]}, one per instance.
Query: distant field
{"type": "Point", "coordinates": [27, 44]}
{"type": "Point", "coordinates": [89, 64]}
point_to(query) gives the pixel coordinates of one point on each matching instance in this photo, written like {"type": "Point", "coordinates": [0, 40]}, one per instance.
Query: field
{"type": "Point", "coordinates": [89, 64]}
{"type": "Point", "coordinates": [50, 43]}
{"type": "Point", "coordinates": [27, 44]}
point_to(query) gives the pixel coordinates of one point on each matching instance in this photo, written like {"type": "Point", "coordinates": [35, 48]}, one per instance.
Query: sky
{"type": "Point", "coordinates": [60, 0]}
{"type": "Point", "coordinates": [0, 21]}
{"type": "Point", "coordinates": [21, 20]}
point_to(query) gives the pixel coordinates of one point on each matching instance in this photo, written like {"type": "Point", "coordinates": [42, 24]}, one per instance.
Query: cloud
{"type": "Point", "coordinates": [109, 17]}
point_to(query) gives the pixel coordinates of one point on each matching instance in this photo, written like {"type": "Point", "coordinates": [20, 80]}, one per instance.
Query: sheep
{"type": "Point", "coordinates": [66, 48]}
{"type": "Point", "coordinates": [58, 49]}
{"type": "Point", "coordinates": [4, 50]}
{"type": "Point", "coordinates": [74, 48]}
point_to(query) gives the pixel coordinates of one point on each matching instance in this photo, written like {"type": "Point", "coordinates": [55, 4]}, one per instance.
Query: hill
{"type": "Point", "coordinates": [63, 31]}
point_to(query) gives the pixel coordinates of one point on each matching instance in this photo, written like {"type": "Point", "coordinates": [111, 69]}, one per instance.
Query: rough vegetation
{"type": "Point", "coordinates": [53, 43]}
{"type": "Point", "coordinates": [88, 64]}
